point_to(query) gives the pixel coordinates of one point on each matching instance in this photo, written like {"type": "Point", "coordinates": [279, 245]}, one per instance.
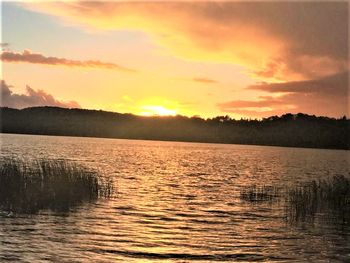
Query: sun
{"type": "Point", "coordinates": [156, 110]}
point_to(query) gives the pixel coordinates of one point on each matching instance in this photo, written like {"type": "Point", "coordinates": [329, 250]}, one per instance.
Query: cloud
{"type": "Point", "coordinates": [31, 98]}
{"type": "Point", "coordinates": [274, 41]}
{"type": "Point", "coordinates": [28, 56]}
{"type": "Point", "coordinates": [205, 80]}
{"type": "Point", "coordinates": [325, 96]}
{"type": "Point", "coordinates": [4, 45]}
{"type": "Point", "coordinates": [334, 85]}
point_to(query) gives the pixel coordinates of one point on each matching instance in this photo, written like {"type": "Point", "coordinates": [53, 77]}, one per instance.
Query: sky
{"type": "Point", "coordinates": [242, 59]}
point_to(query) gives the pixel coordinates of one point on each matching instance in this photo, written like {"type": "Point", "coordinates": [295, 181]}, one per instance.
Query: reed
{"type": "Point", "coordinates": [327, 200]}
{"type": "Point", "coordinates": [31, 186]}
{"type": "Point", "coordinates": [261, 193]}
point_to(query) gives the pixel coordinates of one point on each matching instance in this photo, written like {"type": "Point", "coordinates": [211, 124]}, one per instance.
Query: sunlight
{"type": "Point", "coordinates": [174, 131]}
{"type": "Point", "coordinates": [156, 110]}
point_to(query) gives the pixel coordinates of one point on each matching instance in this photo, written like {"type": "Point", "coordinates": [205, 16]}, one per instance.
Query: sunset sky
{"type": "Point", "coordinates": [248, 59]}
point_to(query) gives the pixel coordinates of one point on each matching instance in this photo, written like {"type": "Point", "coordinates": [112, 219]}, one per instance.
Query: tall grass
{"type": "Point", "coordinates": [327, 200]}
{"type": "Point", "coordinates": [30, 186]}
{"type": "Point", "coordinates": [261, 193]}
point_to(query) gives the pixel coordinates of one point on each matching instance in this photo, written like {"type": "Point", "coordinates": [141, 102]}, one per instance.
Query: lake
{"type": "Point", "coordinates": [175, 202]}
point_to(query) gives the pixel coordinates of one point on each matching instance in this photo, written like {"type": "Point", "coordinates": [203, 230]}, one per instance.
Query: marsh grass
{"type": "Point", "coordinates": [260, 193]}
{"type": "Point", "coordinates": [325, 200]}
{"type": "Point", "coordinates": [58, 185]}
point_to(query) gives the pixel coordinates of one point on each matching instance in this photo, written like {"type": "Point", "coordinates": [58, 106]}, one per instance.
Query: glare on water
{"type": "Point", "coordinates": [174, 202]}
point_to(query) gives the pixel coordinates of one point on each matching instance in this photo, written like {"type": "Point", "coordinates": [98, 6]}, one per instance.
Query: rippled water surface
{"type": "Point", "coordinates": [175, 202]}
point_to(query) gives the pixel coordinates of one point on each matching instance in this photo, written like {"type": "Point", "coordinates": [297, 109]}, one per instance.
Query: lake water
{"type": "Point", "coordinates": [175, 202]}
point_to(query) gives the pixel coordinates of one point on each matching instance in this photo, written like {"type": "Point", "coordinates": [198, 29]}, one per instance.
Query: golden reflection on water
{"type": "Point", "coordinates": [175, 202]}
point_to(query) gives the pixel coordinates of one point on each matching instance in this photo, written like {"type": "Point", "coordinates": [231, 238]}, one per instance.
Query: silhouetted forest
{"type": "Point", "coordinates": [294, 130]}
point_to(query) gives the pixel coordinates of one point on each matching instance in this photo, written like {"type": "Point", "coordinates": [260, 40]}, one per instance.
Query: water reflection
{"type": "Point", "coordinates": [175, 202]}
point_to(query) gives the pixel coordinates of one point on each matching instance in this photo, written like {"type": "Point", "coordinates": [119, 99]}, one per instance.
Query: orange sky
{"type": "Point", "coordinates": [248, 59]}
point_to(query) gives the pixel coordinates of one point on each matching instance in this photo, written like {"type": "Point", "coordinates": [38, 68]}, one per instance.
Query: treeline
{"type": "Point", "coordinates": [293, 130]}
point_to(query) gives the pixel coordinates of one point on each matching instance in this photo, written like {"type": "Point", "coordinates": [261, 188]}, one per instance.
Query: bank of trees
{"type": "Point", "coordinates": [296, 130]}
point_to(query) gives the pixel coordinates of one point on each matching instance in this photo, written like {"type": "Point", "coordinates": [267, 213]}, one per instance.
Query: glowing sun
{"type": "Point", "coordinates": [154, 110]}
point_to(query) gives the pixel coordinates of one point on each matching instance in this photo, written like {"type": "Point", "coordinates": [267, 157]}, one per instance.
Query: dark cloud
{"type": "Point", "coordinates": [326, 96]}
{"type": "Point", "coordinates": [334, 85]}
{"type": "Point", "coordinates": [205, 80]}
{"type": "Point", "coordinates": [4, 45]}
{"type": "Point", "coordinates": [286, 40]}
{"type": "Point", "coordinates": [30, 99]}
{"type": "Point", "coordinates": [28, 56]}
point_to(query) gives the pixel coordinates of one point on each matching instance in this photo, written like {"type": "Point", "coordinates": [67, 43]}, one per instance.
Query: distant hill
{"type": "Point", "coordinates": [298, 130]}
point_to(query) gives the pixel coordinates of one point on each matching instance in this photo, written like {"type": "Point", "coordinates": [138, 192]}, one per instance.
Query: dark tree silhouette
{"type": "Point", "coordinates": [293, 130]}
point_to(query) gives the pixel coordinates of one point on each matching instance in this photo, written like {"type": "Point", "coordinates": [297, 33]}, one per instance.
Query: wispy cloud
{"type": "Point", "coordinates": [334, 85]}
{"type": "Point", "coordinates": [28, 56]}
{"type": "Point", "coordinates": [4, 45]}
{"type": "Point", "coordinates": [30, 98]}
{"type": "Point", "coordinates": [205, 80]}
{"type": "Point", "coordinates": [325, 96]}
